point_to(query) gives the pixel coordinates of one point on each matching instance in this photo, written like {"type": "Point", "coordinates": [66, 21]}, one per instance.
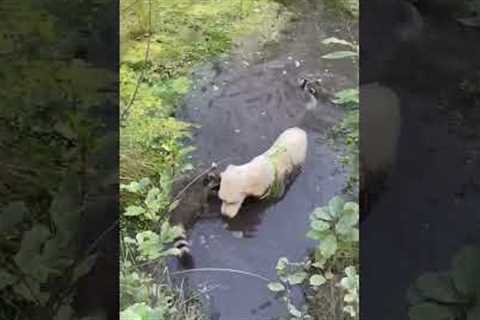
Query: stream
{"type": "Point", "coordinates": [241, 104]}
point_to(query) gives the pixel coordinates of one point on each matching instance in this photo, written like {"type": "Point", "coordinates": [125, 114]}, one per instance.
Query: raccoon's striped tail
{"type": "Point", "coordinates": [185, 257]}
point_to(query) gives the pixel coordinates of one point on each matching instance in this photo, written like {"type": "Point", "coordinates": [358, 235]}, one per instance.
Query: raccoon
{"type": "Point", "coordinates": [192, 196]}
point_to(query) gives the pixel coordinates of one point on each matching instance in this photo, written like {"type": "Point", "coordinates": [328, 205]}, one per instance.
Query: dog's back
{"type": "Point", "coordinates": [290, 147]}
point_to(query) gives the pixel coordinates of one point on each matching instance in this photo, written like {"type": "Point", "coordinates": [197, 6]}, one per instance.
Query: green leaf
{"type": "Point", "coordinates": [335, 206]}
{"type": "Point", "coordinates": [340, 55]}
{"type": "Point", "coordinates": [141, 311]}
{"type": "Point", "coordinates": [316, 235]}
{"type": "Point", "coordinates": [328, 246]}
{"type": "Point", "coordinates": [149, 244]}
{"type": "Point", "coordinates": [281, 264]}
{"type": "Point", "coordinates": [431, 311]}
{"type": "Point", "coordinates": [297, 278]}
{"type": "Point", "coordinates": [133, 211]}
{"type": "Point", "coordinates": [322, 213]}
{"type": "Point", "coordinates": [350, 271]}
{"type": "Point", "coordinates": [333, 40]}
{"type": "Point", "coordinates": [466, 266]}
{"type": "Point", "coordinates": [276, 286]}
{"type": "Point", "coordinates": [294, 311]}
{"type": "Point", "coordinates": [352, 236]}
{"type": "Point", "coordinates": [6, 279]}
{"type": "Point", "coordinates": [347, 97]}
{"type": "Point", "coordinates": [438, 287]}
{"type": "Point", "coordinates": [317, 280]}
{"type": "Point", "coordinates": [348, 219]}
{"type": "Point", "coordinates": [319, 225]}
{"type": "Point", "coordinates": [12, 215]}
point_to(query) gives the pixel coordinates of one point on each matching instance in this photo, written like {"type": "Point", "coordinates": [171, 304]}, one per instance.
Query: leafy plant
{"type": "Point", "coordinates": [151, 201]}
{"type": "Point", "coordinates": [46, 253]}
{"type": "Point", "coordinates": [341, 54]}
{"type": "Point", "coordinates": [454, 294]}
{"type": "Point", "coordinates": [351, 283]}
{"type": "Point", "coordinates": [291, 274]}
{"type": "Point", "coordinates": [336, 228]}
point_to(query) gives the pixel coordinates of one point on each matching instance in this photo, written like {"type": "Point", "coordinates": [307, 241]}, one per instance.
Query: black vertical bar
{"type": "Point", "coordinates": [59, 159]}
{"type": "Point", "coordinates": [420, 234]}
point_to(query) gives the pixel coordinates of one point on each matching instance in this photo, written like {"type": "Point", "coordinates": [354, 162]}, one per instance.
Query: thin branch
{"type": "Point", "coordinates": [228, 270]}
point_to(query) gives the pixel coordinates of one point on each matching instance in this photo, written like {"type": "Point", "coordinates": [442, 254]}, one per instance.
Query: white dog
{"type": "Point", "coordinates": [265, 175]}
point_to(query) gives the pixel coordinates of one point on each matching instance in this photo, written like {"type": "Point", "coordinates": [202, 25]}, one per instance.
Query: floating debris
{"type": "Point", "coordinates": [297, 63]}
{"type": "Point", "coordinates": [237, 130]}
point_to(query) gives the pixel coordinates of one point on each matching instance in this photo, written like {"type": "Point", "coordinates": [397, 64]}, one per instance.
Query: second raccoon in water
{"type": "Point", "coordinates": [192, 195]}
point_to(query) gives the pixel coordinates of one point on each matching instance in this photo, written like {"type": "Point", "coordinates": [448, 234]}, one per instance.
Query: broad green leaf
{"type": "Point", "coordinates": [319, 225]}
{"type": "Point", "coordinates": [350, 297]}
{"type": "Point", "coordinates": [466, 266]}
{"type": "Point", "coordinates": [294, 311]}
{"type": "Point", "coordinates": [351, 207]}
{"type": "Point", "coordinates": [350, 310]}
{"type": "Point", "coordinates": [316, 235]}
{"type": "Point", "coordinates": [6, 279]}
{"type": "Point", "coordinates": [347, 220]}
{"type": "Point", "coordinates": [281, 264]}
{"type": "Point", "coordinates": [11, 215]}
{"type": "Point", "coordinates": [276, 286]}
{"type": "Point", "coordinates": [333, 40]}
{"type": "Point", "coordinates": [340, 55]}
{"type": "Point", "coordinates": [133, 211]}
{"type": "Point", "coordinates": [352, 235]}
{"type": "Point", "coordinates": [335, 206]}
{"type": "Point", "coordinates": [322, 213]}
{"type": "Point", "coordinates": [432, 311]}
{"type": "Point", "coordinates": [438, 287]}
{"type": "Point", "coordinates": [328, 246]}
{"type": "Point", "coordinates": [317, 280]}
{"type": "Point", "coordinates": [347, 97]}
{"type": "Point", "coordinates": [350, 271]}
{"type": "Point", "coordinates": [141, 311]}
{"type": "Point", "coordinates": [297, 277]}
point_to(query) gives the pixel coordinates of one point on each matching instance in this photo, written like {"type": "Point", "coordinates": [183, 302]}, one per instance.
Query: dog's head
{"type": "Point", "coordinates": [232, 190]}
{"type": "Point", "coordinates": [240, 182]}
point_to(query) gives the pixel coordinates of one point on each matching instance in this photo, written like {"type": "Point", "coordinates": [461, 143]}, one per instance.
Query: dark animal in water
{"type": "Point", "coordinates": [192, 197]}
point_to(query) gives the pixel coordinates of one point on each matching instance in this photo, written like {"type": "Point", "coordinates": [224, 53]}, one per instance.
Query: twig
{"type": "Point", "coordinates": [246, 273]}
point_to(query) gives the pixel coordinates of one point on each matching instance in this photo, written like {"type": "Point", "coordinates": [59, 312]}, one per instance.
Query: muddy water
{"type": "Point", "coordinates": [242, 103]}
